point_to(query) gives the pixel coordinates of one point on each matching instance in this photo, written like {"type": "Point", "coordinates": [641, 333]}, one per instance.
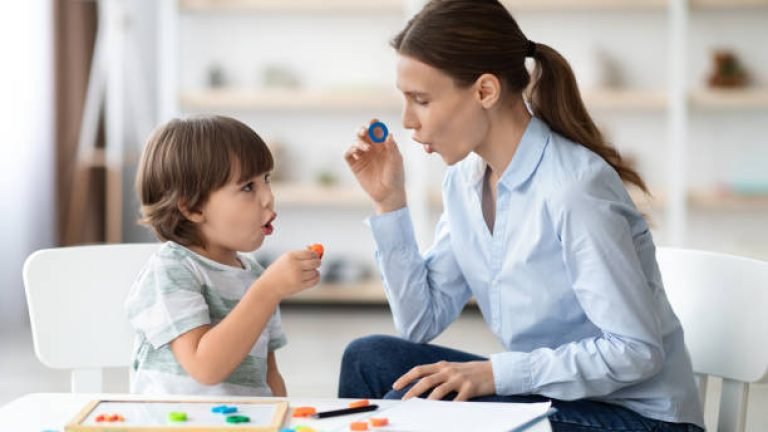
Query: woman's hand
{"type": "Point", "coordinates": [468, 380]}
{"type": "Point", "coordinates": [379, 170]}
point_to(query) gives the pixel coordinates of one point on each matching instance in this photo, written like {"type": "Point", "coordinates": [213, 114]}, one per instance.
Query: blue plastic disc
{"type": "Point", "coordinates": [372, 132]}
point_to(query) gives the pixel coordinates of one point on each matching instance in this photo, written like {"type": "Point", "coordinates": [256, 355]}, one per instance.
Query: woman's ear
{"type": "Point", "coordinates": [488, 89]}
{"type": "Point", "coordinates": [194, 216]}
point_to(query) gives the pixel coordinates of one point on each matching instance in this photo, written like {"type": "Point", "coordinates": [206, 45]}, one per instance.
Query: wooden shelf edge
{"type": "Point", "coordinates": [625, 99]}
{"type": "Point", "coordinates": [583, 5]}
{"type": "Point", "coordinates": [366, 292]}
{"type": "Point", "coordinates": [746, 98]}
{"type": "Point", "coordinates": [318, 195]}
{"type": "Point", "coordinates": [291, 99]}
{"type": "Point", "coordinates": [727, 4]}
{"type": "Point", "coordinates": [293, 6]}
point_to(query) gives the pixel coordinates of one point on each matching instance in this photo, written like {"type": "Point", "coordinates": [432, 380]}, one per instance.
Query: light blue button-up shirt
{"type": "Point", "coordinates": [567, 280]}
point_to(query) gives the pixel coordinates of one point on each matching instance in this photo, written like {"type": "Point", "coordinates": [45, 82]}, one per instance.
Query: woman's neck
{"type": "Point", "coordinates": [507, 126]}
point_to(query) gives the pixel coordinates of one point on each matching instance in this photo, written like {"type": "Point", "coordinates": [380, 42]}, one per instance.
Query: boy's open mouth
{"type": "Point", "coordinates": [267, 228]}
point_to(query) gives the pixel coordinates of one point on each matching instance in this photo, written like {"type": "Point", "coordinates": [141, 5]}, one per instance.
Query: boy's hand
{"type": "Point", "coordinates": [291, 273]}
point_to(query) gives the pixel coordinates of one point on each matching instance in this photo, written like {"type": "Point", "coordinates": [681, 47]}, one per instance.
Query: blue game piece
{"type": "Point", "coordinates": [223, 409]}
{"type": "Point", "coordinates": [372, 132]}
{"type": "Point", "coordinates": [229, 410]}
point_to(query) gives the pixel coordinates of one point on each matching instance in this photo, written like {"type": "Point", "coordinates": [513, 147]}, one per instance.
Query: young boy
{"type": "Point", "coordinates": [206, 315]}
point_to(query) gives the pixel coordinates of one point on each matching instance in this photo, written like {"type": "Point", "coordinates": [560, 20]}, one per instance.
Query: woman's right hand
{"type": "Point", "coordinates": [378, 167]}
{"type": "Point", "coordinates": [291, 273]}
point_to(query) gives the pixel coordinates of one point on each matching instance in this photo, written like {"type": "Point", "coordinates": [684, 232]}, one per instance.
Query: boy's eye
{"type": "Point", "coordinates": [248, 187]}
{"type": "Point", "coordinates": [267, 178]}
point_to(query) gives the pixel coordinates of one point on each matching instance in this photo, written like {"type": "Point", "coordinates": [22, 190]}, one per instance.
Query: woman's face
{"type": "Point", "coordinates": [445, 118]}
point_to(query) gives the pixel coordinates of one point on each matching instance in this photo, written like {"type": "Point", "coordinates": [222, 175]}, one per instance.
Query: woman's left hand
{"type": "Point", "coordinates": [467, 379]}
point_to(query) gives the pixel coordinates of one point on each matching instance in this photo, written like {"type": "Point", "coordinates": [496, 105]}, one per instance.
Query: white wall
{"type": "Point", "coordinates": [27, 161]}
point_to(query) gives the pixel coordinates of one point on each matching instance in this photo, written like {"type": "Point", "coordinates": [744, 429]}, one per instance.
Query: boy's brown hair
{"type": "Point", "coordinates": [184, 161]}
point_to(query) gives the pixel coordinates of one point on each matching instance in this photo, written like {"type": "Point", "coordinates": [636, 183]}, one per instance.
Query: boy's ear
{"type": "Point", "coordinates": [193, 215]}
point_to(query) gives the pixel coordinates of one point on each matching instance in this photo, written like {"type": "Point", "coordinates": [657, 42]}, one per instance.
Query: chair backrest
{"type": "Point", "coordinates": [75, 297]}
{"type": "Point", "coordinates": [722, 302]}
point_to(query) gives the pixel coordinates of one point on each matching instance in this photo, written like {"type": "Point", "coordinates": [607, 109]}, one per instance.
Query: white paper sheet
{"type": "Point", "coordinates": [420, 415]}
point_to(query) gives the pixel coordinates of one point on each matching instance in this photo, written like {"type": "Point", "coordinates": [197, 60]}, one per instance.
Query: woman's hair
{"type": "Point", "coordinates": [468, 38]}
{"type": "Point", "coordinates": [184, 161]}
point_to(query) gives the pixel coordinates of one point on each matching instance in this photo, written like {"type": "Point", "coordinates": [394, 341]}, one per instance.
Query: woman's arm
{"type": "Point", "coordinates": [425, 293]}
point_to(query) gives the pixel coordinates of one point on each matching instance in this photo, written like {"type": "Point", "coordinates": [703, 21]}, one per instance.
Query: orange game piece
{"type": "Point", "coordinates": [101, 418]}
{"type": "Point", "coordinates": [359, 403]}
{"type": "Point", "coordinates": [358, 426]}
{"type": "Point", "coordinates": [304, 411]}
{"type": "Point", "coordinates": [317, 248]}
{"type": "Point", "coordinates": [379, 421]}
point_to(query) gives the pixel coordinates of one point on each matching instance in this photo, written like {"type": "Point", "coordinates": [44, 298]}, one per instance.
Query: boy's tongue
{"type": "Point", "coordinates": [268, 229]}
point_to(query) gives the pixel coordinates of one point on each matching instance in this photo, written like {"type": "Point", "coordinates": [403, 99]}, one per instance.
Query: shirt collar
{"type": "Point", "coordinates": [524, 162]}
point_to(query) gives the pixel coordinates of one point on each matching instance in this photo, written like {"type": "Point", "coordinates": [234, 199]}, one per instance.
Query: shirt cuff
{"type": "Point", "coordinates": [511, 373]}
{"type": "Point", "coordinates": [392, 230]}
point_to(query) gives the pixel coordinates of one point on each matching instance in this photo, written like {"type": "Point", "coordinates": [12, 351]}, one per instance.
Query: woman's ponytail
{"type": "Point", "coordinates": [554, 97]}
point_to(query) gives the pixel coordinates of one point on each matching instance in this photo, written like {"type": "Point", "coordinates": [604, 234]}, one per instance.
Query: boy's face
{"type": "Point", "coordinates": [237, 216]}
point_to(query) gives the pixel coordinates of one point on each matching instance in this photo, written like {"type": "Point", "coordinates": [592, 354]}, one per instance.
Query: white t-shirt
{"type": "Point", "coordinates": [179, 290]}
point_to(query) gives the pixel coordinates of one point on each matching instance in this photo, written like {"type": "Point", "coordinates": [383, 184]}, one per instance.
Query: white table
{"type": "Point", "coordinates": [38, 412]}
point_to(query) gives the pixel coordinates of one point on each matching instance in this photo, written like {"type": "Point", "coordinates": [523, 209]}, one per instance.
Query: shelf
{"type": "Point", "coordinates": [726, 201]}
{"type": "Point", "coordinates": [736, 99]}
{"type": "Point", "coordinates": [369, 292]}
{"type": "Point", "coordinates": [620, 99]}
{"type": "Point", "coordinates": [727, 4]}
{"type": "Point", "coordinates": [366, 292]}
{"type": "Point", "coordinates": [398, 6]}
{"type": "Point", "coordinates": [586, 5]}
{"type": "Point", "coordinates": [317, 195]}
{"type": "Point", "coordinates": [294, 6]}
{"type": "Point", "coordinates": [345, 99]}
{"type": "Point", "coordinates": [290, 99]}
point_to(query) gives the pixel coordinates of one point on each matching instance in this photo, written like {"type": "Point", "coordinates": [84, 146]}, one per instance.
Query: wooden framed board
{"type": "Point", "coordinates": [154, 416]}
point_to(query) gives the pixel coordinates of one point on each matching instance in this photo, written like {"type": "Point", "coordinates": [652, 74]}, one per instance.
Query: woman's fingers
{"type": "Point", "coordinates": [424, 384]}
{"type": "Point", "coordinates": [356, 151]}
{"type": "Point", "coordinates": [408, 377]}
{"type": "Point", "coordinates": [441, 391]}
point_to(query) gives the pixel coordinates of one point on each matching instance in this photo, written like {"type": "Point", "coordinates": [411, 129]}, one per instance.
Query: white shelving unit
{"type": "Point", "coordinates": [676, 102]}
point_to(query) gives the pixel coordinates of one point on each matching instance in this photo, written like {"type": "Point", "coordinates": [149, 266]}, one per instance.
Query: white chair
{"type": "Point", "coordinates": [75, 297]}
{"type": "Point", "coordinates": [722, 303]}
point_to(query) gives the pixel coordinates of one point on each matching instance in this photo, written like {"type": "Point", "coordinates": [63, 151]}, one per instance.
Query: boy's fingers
{"type": "Point", "coordinates": [310, 264]}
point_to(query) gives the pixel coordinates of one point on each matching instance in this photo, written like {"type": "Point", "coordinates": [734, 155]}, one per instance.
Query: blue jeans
{"type": "Point", "coordinates": [371, 364]}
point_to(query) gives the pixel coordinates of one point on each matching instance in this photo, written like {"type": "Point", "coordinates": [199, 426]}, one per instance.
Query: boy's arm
{"type": "Point", "coordinates": [210, 354]}
{"type": "Point", "coordinates": [274, 378]}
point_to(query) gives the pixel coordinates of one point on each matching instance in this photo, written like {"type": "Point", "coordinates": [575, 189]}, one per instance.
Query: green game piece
{"type": "Point", "coordinates": [177, 416]}
{"type": "Point", "coordinates": [238, 419]}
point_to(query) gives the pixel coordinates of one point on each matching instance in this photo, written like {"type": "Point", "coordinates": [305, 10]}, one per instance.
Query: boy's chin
{"type": "Point", "coordinates": [252, 246]}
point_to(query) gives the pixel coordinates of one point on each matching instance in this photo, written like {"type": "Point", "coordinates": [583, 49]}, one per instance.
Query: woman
{"type": "Point", "coordinates": [537, 226]}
